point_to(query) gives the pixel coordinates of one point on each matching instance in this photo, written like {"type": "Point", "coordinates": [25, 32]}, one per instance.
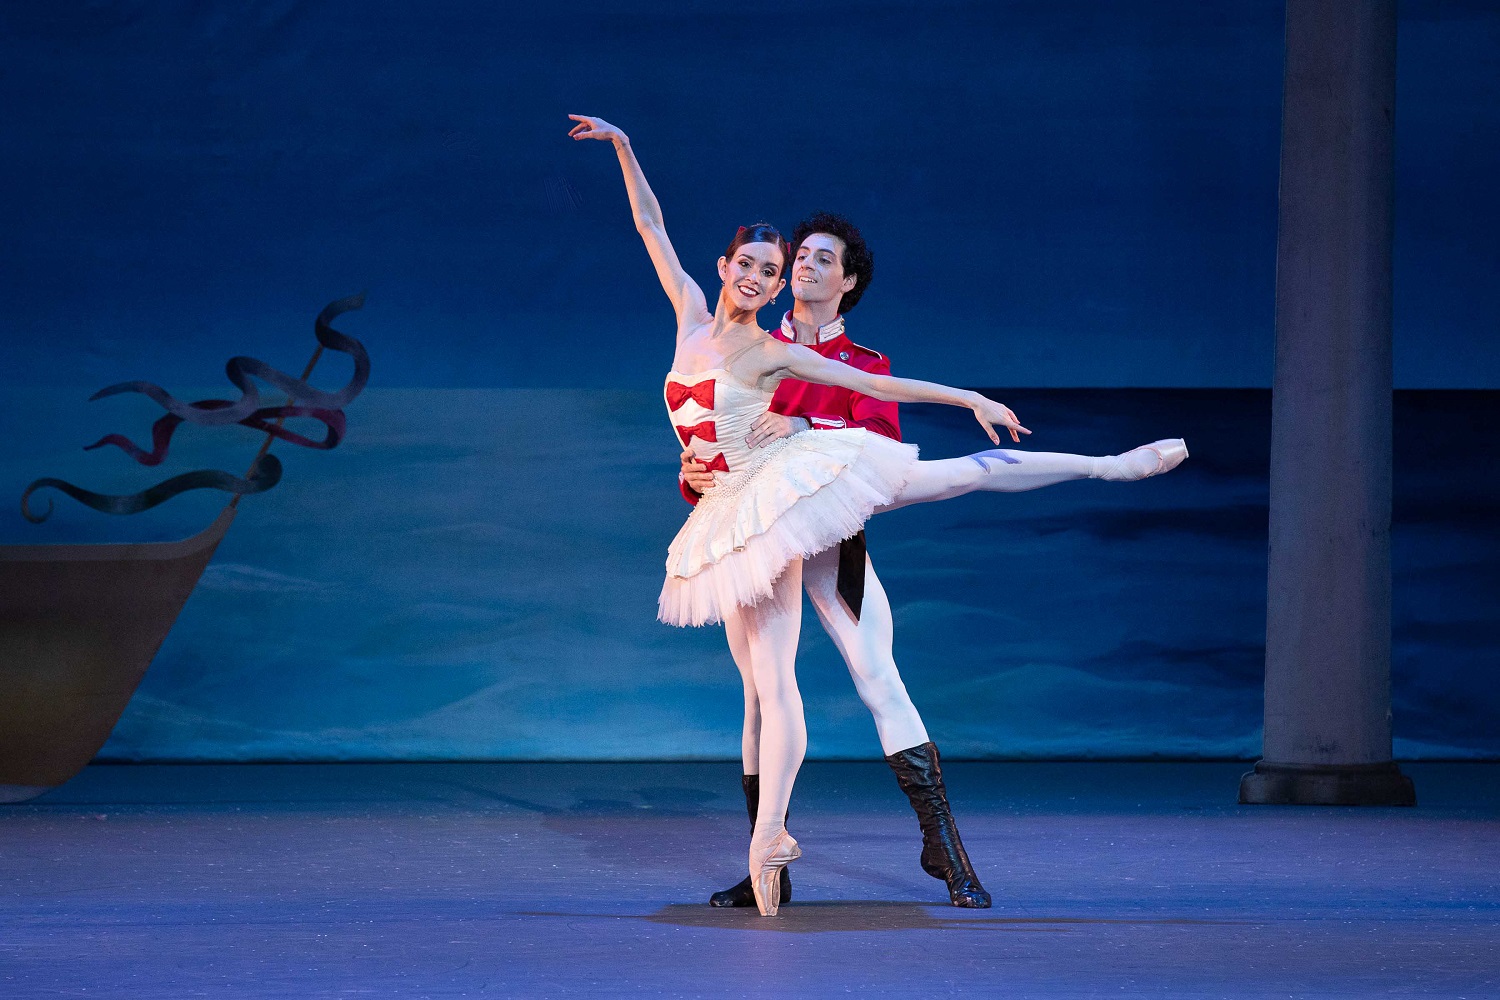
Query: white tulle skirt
{"type": "Point", "coordinates": [801, 495]}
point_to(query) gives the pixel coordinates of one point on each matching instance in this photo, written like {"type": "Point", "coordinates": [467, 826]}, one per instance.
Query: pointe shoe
{"type": "Point", "coordinates": [766, 875]}
{"type": "Point", "coordinates": [1144, 462]}
{"type": "Point", "coordinates": [743, 893]}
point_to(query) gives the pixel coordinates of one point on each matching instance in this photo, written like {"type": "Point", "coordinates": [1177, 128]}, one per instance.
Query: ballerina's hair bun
{"type": "Point", "coordinates": [761, 232]}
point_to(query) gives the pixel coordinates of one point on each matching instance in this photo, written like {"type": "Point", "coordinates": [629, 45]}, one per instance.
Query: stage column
{"type": "Point", "coordinates": [1328, 623]}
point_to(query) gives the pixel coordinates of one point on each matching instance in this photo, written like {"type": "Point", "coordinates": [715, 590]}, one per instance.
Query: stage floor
{"type": "Point", "coordinates": [554, 880]}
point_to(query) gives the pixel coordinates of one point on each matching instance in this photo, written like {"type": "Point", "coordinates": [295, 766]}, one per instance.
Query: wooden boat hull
{"type": "Point", "coordinates": [79, 625]}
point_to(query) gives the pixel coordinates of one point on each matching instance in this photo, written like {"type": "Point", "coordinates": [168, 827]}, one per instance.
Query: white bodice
{"type": "Point", "coordinates": [711, 414]}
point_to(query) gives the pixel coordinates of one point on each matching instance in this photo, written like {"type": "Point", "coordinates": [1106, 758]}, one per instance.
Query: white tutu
{"type": "Point", "coordinates": [800, 495]}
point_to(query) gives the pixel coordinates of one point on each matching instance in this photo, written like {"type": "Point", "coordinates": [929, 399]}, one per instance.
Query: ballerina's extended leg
{"type": "Point", "coordinates": [1006, 470]}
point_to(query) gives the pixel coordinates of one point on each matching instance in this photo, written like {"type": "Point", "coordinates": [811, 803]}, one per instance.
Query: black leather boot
{"type": "Point", "coordinates": [943, 856]}
{"type": "Point", "coordinates": [743, 894]}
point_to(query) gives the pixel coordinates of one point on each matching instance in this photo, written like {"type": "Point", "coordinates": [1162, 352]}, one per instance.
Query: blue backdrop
{"type": "Point", "coordinates": [1077, 194]}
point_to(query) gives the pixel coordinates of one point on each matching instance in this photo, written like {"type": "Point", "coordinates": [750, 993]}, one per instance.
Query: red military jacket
{"type": "Point", "coordinates": [829, 406]}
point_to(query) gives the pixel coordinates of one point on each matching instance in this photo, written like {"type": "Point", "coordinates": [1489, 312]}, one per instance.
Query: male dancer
{"type": "Point", "coordinates": [831, 269]}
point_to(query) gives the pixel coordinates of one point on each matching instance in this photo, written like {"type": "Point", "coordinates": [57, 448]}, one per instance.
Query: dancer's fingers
{"type": "Point", "coordinates": [764, 429]}
{"type": "Point", "coordinates": [988, 429]}
{"type": "Point", "coordinates": [589, 127]}
{"type": "Point", "coordinates": [1014, 436]}
{"type": "Point", "coordinates": [1013, 423]}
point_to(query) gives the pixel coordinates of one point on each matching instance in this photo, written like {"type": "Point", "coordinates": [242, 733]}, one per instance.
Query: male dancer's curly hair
{"type": "Point", "coordinates": [857, 261]}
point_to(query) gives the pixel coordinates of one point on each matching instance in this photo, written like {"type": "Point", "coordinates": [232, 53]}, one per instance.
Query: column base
{"type": "Point", "coordinates": [1326, 785]}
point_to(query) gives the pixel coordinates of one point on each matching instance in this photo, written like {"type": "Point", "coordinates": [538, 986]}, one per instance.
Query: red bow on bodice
{"type": "Point", "coordinates": [705, 431]}
{"type": "Point", "coordinates": [716, 464]}
{"type": "Point", "coordinates": [702, 393]}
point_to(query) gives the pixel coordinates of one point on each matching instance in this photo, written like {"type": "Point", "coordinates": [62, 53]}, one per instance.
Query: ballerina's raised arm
{"type": "Point", "coordinates": [687, 298]}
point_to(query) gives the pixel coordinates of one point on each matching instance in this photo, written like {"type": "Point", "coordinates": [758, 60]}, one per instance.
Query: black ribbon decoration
{"type": "Point", "coordinates": [326, 407]}
{"type": "Point", "coordinates": [265, 473]}
{"type": "Point", "coordinates": [260, 420]}
{"type": "Point", "coordinates": [240, 370]}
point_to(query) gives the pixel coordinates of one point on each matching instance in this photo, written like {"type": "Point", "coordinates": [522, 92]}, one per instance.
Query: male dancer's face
{"type": "Point", "coordinates": [818, 270]}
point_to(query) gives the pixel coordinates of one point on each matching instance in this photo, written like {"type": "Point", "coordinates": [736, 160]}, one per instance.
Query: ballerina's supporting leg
{"type": "Point", "coordinates": [1004, 470]}
{"type": "Point", "coordinates": [739, 651]}
{"type": "Point", "coordinates": [770, 629]}
{"type": "Point", "coordinates": [743, 894]}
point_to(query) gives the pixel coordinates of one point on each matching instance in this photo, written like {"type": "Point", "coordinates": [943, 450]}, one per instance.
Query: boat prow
{"type": "Point", "coordinates": [79, 625]}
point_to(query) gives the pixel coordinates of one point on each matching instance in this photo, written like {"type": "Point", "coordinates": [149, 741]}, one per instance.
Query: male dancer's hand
{"type": "Point", "coordinates": [767, 427]}
{"type": "Point", "coordinates": [696, 474]}
{"type": "Point", "coordinates": [770, 427]}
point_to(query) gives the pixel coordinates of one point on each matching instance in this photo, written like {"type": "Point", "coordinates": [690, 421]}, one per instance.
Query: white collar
{"type": "Point", "coordinates": [826, 332]}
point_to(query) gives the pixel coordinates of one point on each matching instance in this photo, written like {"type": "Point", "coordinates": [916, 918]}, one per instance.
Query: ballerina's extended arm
{"type": "Point", "coordinates": [796, 361]}
{"type": "Point", "coordinates": [687, 298]}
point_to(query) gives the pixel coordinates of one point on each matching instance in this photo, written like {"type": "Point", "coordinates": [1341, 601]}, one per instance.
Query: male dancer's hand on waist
{"type": "Point", "coordinates": [767, 428]}
{"type": "Point", "coordinates": [695, 473]}
{"type": "Point", "coordinates": [770, 427]}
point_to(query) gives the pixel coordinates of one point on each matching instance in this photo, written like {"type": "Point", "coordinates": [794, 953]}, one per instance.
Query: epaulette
{"type": "Point", "coordinates": [866, 350]}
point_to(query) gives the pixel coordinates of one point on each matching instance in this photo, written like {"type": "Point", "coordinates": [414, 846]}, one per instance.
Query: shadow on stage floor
{"type": "Point", "coordinates": [835, 915]}
{"type": "Point", "coordinates": [437, 880]}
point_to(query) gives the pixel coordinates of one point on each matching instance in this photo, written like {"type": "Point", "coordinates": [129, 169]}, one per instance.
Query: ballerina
{"type": "Point", "coordinates": [738, 557]}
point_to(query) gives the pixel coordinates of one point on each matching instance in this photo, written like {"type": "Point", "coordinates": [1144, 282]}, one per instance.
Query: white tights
{"type": "Point", "coordinates": [763, 642]}
{"type": "Point", "coordinates": [866, 648]}
{"type": "Point", "coordinates": [999, 470]}
{"type": "Point", "coordinates": [864, 644]}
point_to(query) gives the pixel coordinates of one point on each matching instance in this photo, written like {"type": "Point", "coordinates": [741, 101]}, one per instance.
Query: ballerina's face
{"type": "Point", "coordinates": [753, 275]}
